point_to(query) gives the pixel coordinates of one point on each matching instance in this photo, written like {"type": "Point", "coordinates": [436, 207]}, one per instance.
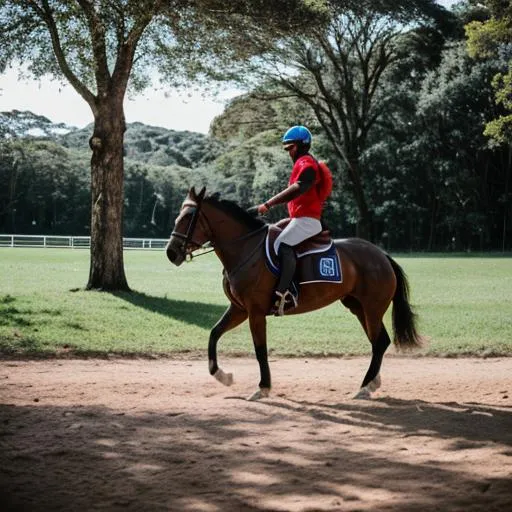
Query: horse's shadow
{"type": "Point", "coordinates": [468, 425]}
{"type": "Point", "coordinates": [200, 314]}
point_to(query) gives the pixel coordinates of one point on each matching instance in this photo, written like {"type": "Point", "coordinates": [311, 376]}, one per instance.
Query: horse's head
{"type": "Point", "coordinates": [187, 234]}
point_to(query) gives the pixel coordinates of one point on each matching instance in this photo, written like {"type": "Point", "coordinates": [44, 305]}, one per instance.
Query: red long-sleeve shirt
{"type": "Point", "coordinates": [309, 203]}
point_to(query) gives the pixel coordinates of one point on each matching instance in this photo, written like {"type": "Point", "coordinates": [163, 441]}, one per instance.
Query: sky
{"type": "Point", "coordinates": [193, 111]}
{"type": "Point", "coordinates": [60, 103]}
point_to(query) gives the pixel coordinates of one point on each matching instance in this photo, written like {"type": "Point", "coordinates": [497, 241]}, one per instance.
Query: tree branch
{"type": "Point", "coordinates": [127, 47]}
{"type": "Point", "coordinates": [97, 34]}
{"type": "Point", "coordinates": [44, 12]}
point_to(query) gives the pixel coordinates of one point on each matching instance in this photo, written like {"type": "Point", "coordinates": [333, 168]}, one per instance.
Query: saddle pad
{"type": "Point", "coordinates": [313, 266]}
{"type": "Point", "coordinates": [319, 267]}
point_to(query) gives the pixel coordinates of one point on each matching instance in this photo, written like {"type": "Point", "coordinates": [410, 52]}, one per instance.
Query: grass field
{"type": "Point", "coordinates": [464, 306]}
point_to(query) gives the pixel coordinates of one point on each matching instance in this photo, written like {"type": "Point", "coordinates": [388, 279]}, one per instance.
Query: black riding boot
{"type": "Point", "coordinates": [282, 296]}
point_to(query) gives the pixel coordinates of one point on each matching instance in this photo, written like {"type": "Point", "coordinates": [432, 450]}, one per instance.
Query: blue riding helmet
{"type": "Point", "coordinates": [298, 134]}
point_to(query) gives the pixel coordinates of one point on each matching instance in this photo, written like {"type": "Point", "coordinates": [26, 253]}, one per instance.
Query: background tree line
{"type": "Point", "coordinates": [409, 106]}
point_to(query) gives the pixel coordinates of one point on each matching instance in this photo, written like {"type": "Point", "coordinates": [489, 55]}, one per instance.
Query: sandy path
{"type": "Point", "coordinates": [141, 435]}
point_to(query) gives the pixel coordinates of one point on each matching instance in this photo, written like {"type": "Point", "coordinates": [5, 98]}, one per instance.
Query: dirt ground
{"type": "Point", "coordinates": [154, 435]}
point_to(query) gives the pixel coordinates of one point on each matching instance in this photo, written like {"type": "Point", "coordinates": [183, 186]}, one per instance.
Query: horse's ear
{"type": "Point", "coordinates": [201, 193]}
{"type": "Point", "coordinates": [192, 193]}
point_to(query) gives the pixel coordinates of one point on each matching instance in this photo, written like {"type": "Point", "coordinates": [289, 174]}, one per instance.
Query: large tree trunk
{"type": "Point", "coordinates": [107, 177]}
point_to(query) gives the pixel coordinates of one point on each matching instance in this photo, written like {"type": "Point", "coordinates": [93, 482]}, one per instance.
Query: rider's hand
{"type": "Point", "coordinates": [263, 208]}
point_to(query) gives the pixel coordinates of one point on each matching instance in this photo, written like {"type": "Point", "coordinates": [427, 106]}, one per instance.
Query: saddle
{"type": "Point", "coordinates": [317, 258]}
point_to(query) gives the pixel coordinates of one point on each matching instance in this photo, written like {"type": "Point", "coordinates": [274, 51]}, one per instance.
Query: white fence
{"type": "Point", "coordinates": [75, 242]}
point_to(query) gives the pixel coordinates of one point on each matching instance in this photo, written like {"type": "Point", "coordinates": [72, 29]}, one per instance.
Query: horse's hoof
{"type": "Point", "coordinates": [224, 378]}
{"type": "Point", "coordinates": [363, 394]}
{"type": "Point", "coordinates": [375, 383]}
{"type": "Point", "coordinates": [260, 393]}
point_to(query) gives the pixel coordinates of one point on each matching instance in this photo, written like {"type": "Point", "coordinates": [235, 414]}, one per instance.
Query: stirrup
{"type": "Point", "coordinates": [283, 299]}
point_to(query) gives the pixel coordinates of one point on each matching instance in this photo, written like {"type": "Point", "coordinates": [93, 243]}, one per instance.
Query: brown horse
{"type": "Point", "coordinates": [371, 281]}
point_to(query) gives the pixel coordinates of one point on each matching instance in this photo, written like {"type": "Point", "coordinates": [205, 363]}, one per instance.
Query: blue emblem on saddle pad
{"type": "Point", "coordinates": [327, 267]}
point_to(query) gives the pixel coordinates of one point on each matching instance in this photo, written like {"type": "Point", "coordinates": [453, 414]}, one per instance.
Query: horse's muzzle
{"type": "Point", "coordinates": [174, 255]}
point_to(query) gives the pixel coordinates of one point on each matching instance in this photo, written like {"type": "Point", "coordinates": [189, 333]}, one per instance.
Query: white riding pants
{"type": "Point", "coordinates": [297, 231]}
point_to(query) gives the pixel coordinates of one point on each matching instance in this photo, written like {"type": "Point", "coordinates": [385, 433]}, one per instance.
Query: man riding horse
{"type": "Point", "coordinates": [308, 187]}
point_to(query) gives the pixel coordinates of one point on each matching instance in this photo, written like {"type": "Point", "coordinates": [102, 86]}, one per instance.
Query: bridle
{"type": "Point", "coordinates": [187, 240]}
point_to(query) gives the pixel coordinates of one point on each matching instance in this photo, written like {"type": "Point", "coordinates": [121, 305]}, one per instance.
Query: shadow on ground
{"type": "Point", "coordinates": [84, 458]}
{"type": "Point", "coordinates": [195, 313]}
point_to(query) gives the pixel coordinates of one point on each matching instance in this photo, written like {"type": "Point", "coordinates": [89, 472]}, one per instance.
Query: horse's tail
{"type": "Point", "coordinates": [404, 319]}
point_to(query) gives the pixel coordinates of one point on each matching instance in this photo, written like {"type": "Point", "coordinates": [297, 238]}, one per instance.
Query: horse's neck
{"type": "Point", "coordinates": [231, 238]}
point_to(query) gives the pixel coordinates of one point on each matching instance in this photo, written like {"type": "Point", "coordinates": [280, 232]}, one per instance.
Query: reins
{"type": "Point", "coordinates": [187, 238]}
{"type": "Point", "coordinates": [253, 252]}
{"type": "Point", "coordinates": [211, 247]}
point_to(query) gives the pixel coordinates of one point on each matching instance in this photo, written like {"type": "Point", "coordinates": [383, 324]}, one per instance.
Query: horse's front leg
{"type": "Point", "coordinates": [232, 317]}
{"type": "Point", "coordinates": [258, 325]}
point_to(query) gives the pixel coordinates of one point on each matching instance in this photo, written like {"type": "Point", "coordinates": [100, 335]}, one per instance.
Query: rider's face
{"type": "Point", "coordinates": [292, 150]}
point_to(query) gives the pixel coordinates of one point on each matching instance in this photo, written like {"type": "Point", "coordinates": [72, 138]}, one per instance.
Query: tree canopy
{"type": "Point", "coordinates": [491, 39]}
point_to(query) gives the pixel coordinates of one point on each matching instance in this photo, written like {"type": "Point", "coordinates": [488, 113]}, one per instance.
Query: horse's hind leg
{"type": "Point", "coordinates": [372, 380]}
{"type": "Point", "coordinates": [379, 338]}
{"type": "Point", "coordinates": [232, 317]}
{"type": "Point", "coordinates": [258, 324]}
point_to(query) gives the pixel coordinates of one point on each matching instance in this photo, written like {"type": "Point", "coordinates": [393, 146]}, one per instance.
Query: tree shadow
{"type": "Point", "coordinates": [91, 457]}
{"type": "Point", "coordinates": [12, 315]}
{"type": "Point", "coordinates": [472, 424]}
{"type": "Point", "coordinates": [200, 314]}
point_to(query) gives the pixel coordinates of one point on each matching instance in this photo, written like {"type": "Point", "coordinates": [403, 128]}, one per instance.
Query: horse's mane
{"type": "Point", "coordinates": [235, 211]}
